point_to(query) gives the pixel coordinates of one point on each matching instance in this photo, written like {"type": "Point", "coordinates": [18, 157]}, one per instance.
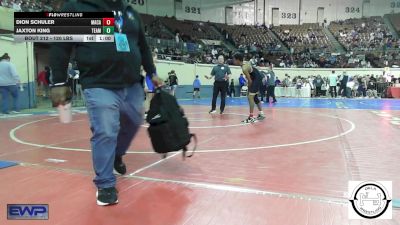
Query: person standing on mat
{"type": "Point", "coordinates": [113, 88]}
{"type": "Point", "coordinates": [332, 84]}
{"type": "Point", "coordinates": [9, 81]}
{"type": "Point", "coordinates": [221, 74]}
{"type": "Point", "coordinates": [285, 85]}
{"type": "Point", "coordinates": [173, 82]}
{"type": "Point", "coordinates": [299, 84]}
{"type": "Point", "coordinates": [254, 79]}
{"type": "Point", "coordinates": [196, 87]}
{"type": "Point", "coordinates": [343, 85]}
{"type": "Point", "coordinates": [242, 81]}
{"type": "Point", "coordinates": [318, 82]}
{"type": "Point", "coordinates": [271, 84]}
{"type": "Point", "coordinates": [263, 87]}
{"type": "Point", "coordinates": [232, 89]}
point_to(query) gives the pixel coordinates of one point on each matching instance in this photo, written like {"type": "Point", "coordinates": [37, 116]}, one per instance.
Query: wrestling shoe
{"type": "Point", "coordinates": [249, 120]}
{"type": "Point", "coordinates": [261, 116]}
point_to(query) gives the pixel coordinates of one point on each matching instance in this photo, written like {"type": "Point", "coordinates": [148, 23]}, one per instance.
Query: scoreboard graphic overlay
{"type": "Point", "coordinates": [64, 27]}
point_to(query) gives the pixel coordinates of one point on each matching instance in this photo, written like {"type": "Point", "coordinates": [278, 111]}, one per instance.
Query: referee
{"type": "Point", "coordinates": [221, 73]}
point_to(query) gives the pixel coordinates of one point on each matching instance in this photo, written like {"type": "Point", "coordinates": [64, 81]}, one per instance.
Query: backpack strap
{"type": "Point", "coordinates": [194, 149]}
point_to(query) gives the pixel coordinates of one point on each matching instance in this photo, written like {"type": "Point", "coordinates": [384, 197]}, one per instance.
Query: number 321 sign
{"type": "Point", "coordinates": [194, 10]}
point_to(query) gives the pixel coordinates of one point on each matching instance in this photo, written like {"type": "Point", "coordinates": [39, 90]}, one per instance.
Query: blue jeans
{"type": "Point", "coordinates": [5, 92]}
{"type": "Point", "coordinates": [115, 117]}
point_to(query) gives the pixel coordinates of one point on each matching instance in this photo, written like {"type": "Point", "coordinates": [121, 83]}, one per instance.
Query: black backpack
{"type": "Point", "coordinates": [169, 128]}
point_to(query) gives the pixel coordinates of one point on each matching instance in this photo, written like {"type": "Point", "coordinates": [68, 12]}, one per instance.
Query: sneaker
{"type": "Point", "coordinates": [107, 196]}
{"type": "Point", "coordinates": [262, 102]}
{"type": "Point", "coordinates": [221, 112]}
{"type": "Point", "coordinates": [119, 165]}
{"type": "Point", "coordinates": [249, 120]}
{"type": "Point", "coordinates": [212, 111]}
{"type": "Point", "coordinates": [261, 116]}
{"type": "Point", "coordinates": [15, 112]}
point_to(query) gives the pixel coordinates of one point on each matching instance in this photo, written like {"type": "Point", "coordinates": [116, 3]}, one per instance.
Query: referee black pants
{"type": "Point", "coordinates": [219, 87]}
{"type": "Point", "coordinates": [271, 92]}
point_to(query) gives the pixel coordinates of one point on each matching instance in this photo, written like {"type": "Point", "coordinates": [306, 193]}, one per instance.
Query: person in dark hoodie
{"type": "Point", "coordinates": [113, 88]}
{"type": "Point", "coordinates": [318, 82]}
{"type": "Point", "coordinates": [343, 84]}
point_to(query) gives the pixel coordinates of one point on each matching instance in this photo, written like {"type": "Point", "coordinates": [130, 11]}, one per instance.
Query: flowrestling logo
{"type": "Point", "coordinates": [370, 200]}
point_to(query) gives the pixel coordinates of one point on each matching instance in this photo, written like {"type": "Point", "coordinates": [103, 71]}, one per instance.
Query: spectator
{"type": "Point", "coordinates": [43, 82]}
{"type": "Point", "coordinates": [371, 90]}
{"type": "Point", "coordinates": [17, 6]}
{"type": "Point", "coordinates": [312, 86]}
{"type": "Point", "coordinates": [271, 84]}
{"type": "Point", "coordinates": [71, 76]}
{"type": "Point", "coordinates": [285, 84]}
{"type": "Point", "coordinates": [214, 52]}
{"type": "Point", "coordinates": [196, 87]}
{"type": "Point", "coordinates": [232, 89]}
{"type": "Point", "coordinates": [325, 86]}
{"type": "Point", "coordinates": [318, 83]}
{"type": "Point", "coordinates": [173, 82]}
{"type": "Point", "coordinates": [333, 84]}
{"type": "Point", "coordinates": [299, 84]}
{"type": "Point", "coordinates": [362, 87]}
{"type": "Point", "coordinates": [277, 82]}
{"type": "Point", "coordinates": [373, 79]}
{"type": "Point", "coordinates": [343, 84]}
{"type": "Point", "coordinates": [264, 86]}
{"type": "Point", "coordinates": [8, 84]}
{"type": "Point", "coordinates": [351, 88]}
{"type": "Point", "coordinates": [242, 81]}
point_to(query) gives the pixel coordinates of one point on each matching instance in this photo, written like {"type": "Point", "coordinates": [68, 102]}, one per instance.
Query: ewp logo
{"type": "Point", "coordinates": [27, 212]}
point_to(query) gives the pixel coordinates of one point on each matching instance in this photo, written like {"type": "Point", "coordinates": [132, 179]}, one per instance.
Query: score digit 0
{"type": "Point", "coordinates": [108, 30]}
{"type": "Point", "coordinates": [108, 21]}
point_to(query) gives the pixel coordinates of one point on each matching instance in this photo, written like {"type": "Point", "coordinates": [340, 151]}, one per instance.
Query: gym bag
{"type": "Point", "coordinates": [168, 126]}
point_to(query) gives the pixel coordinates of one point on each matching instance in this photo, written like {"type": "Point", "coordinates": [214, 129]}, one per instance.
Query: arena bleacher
{"type": "Point", "coordinates": [249, 35]}
{"type": "Point", "coordinates": [190, 30]}
{"type": "Point", "coordinates": [365, 34]}
{"type": "Point", "coordinates": [308, 44]}
{"type": "Point", "coordinates": [32, 5]}
{"type": "Point", "coordinates": [395, 20]}
{"type": "Point", "coordinates": [303, 37]}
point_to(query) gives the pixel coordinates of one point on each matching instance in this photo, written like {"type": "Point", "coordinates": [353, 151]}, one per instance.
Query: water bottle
{"type": "Point", "coordinates": [65, 113]}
